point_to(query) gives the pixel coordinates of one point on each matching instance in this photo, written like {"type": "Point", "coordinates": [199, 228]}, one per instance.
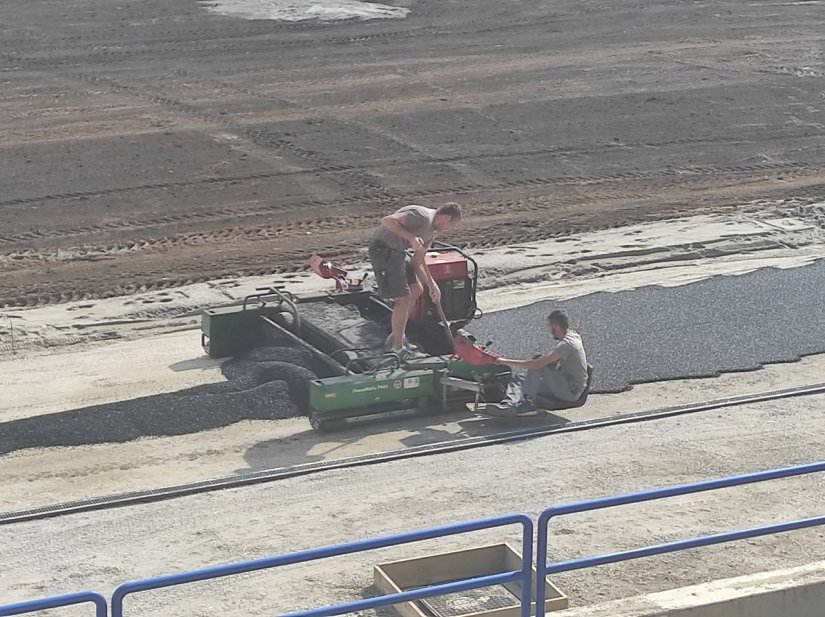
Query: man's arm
{"type": "Point", "coordinates": [531, 364]}
{"type": "Point", "coordinates": [425, 276]}
{"type": "Point", "coordinates": [394, 223]}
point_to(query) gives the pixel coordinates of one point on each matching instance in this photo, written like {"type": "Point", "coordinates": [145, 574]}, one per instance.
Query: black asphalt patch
{"type": "Point", "coordinates": [723, 324]}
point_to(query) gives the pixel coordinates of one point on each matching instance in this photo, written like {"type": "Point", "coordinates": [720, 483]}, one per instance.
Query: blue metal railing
{"type": "Point", "coordinates": [524, 574]}
{"type": "Point", "coordinates": [69, 599]}
{"type": "Point", "coordinates": [545, 569]}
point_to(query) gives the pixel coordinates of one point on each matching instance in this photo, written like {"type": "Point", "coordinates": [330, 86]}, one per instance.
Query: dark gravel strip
{"type": "Point", "coordinates": [723, 324]}
{"type": "Point", "coordinates": [269, 384]}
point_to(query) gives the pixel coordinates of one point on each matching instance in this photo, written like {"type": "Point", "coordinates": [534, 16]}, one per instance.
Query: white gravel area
{"type": "Point", "coordinates": [99, 550]}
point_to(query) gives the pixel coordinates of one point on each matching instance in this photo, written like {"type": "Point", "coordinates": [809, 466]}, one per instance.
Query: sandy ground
{"type": "Point", "coordinates": [149, 144]}
{"type": "Point", "coordinates": [40, 477]}
{"type": "Point", "coordinates": [121, 353]}
{"type": "Point", "coordinates": [131, 368]}
{"type": "Point", "coordinates": [102, 549]}
{"type": "Point", "coordinates": [166, 153]}
{"type": "Point", "coordinates": [305, 9]}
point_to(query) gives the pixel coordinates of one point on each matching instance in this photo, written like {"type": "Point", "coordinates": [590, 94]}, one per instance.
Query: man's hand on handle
{"type": "Point", "coordinates": [418, 246]}
{"type": "Point", "coordinates": [435, 293]}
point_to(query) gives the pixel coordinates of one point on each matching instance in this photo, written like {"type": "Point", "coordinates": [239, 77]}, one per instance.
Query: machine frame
{"type": "Point", "coordinates": [359, 384]}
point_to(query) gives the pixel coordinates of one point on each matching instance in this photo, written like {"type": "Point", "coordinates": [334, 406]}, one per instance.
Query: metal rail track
{"type": "Point", "coordinates": [281, 473]}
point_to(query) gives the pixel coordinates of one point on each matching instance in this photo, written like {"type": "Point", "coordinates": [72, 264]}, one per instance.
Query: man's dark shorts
{"type": "Point", "coordinates": [393, 270]}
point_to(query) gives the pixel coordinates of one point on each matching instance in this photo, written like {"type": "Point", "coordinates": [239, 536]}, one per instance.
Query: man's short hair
{"type": "Point", "coordinates": [559, 318]}
{"type": "Point", "coordinates": [451, 209]}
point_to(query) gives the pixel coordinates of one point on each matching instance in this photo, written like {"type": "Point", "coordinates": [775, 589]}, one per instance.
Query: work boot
{"type": "Point", "coordinates": [522, 409]}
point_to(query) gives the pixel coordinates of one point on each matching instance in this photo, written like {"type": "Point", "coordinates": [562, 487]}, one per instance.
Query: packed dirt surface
{"type": "Point", "coordinates": [40, 477]}
{"type": "Point", "coordinates": [91, 374]}
{"type": "Point", "coordinates": [99, 550]}
{"type": "Point", "coordinates": [151, 143]}
{"type": "Point", "coordinates": [172, 149]}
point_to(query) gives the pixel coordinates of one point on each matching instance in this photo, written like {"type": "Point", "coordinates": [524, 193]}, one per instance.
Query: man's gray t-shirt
{"type": "Point", "coordinates": [572, 360]}
{"type": "Point", "coordinates": [418, 220]}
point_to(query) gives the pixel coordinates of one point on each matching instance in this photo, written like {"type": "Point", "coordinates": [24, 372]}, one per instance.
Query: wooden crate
{"type": "Point", "coordinates": [494, 601]}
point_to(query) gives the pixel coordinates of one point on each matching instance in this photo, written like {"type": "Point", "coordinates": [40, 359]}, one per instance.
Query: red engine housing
{"type": "Point", "coordinates": [450, 271]}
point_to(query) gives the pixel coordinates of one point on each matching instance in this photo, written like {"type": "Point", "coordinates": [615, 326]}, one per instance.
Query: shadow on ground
{"type": "Point", "coordinates": [307, 446]}
{"type": "Point", "coordinates": [269, 383]}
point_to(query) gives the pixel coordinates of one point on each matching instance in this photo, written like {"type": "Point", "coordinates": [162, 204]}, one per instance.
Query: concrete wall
{"type": "Point", "coordinates": [794, 592]}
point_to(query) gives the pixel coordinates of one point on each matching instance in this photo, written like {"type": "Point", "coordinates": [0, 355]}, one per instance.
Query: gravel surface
{"type": "Point", "coordinates": [269, 383]}
{"type": "Point", "coordinates": [644, 335]}
{"type": "Point", "coordinates": [346, 322]}
{"type": "Point", "coordinates": [99, 550]}
{"type": "Point", "coordinates": [656, 333]}
{"type": "Point", "coordinates": [151, 143]}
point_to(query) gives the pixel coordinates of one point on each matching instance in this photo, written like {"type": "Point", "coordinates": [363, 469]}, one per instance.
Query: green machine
{"type": "Point", "coordinates": [430, 385]}
{"type": "Point", "coordinates": [384, 393]}
{"type": "Point", "coordinates": [346, 328]}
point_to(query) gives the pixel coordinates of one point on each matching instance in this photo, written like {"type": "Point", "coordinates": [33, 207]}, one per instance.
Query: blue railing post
{"type": "Point", "coordinates": [69, 599]}
{"type": "Point", "coordinates": [541, 561]}
{"type": "Point", "coordinates": [671, 491]}
{"type": "Point", "coordinates": [526, 567]}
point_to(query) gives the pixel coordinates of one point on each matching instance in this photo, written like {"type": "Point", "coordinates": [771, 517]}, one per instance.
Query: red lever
{"type": "Point", "coordinates": [473, 354]}
{"type": "Point", "coordinates": [327, 269]}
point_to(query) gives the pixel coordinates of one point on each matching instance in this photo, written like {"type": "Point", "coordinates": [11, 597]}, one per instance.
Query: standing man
{"type": "Point", "coordinates": [401, 278]}
{"type": "Point", "coordinates": [560, 374]}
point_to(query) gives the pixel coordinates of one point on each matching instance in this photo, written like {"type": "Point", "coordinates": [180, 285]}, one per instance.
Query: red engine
{"type": "Point", "coordinates": [449, 269]}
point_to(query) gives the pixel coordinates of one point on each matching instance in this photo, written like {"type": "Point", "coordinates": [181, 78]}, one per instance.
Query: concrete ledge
{"type": "Point", "coordinates": [793, 592]}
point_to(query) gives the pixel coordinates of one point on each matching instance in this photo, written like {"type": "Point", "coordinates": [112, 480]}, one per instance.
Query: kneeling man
{"type": "Point", "coordinates": [560, 374]}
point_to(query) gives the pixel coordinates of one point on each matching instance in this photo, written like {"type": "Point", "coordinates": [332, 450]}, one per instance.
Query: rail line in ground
{"type": "Point", "coordinates": [282, 473]}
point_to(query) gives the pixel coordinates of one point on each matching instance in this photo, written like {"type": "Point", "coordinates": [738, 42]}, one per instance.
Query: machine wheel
{"type": "Point", "coordinates": [316, 422]}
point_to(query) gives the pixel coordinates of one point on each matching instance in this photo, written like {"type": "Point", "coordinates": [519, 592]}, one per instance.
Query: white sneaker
{"type": "Point", "coordinates": [408, 352]}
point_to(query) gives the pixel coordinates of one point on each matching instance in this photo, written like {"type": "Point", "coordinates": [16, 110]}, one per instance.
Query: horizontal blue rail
{"type": "Point", "coordinates": [681, 545]}
{"type": "Point", "coordinates": [522, 576]}
{"type": "Point", "coordinates": [69, 599]}
{"type": "Point", "coordinates": [672, 491]}
{"type": "Point", "coordinates": [355, 547]}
